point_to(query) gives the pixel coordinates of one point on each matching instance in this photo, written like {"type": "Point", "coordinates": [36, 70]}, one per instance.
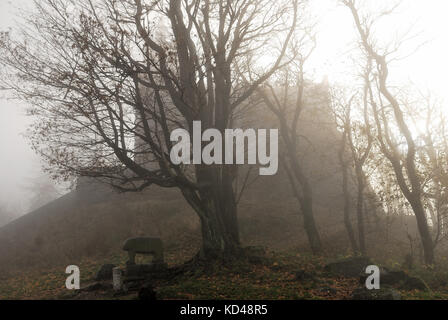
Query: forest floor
{"type": "Point", "coordinates": [281, 276]}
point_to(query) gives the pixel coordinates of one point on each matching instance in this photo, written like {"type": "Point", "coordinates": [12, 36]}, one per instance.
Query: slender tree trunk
{"type": "Point", "coordinates": [346, 193]}
{"type": "Point", "coordinates": [310, 225]}
{"type": "Point", "coordinates": [296, 175]}
{"type": "Point", "coordinates": [306, 204]}
{"type": "Point", "coordinates": [422, 224]}
{"type": "Point", "coordinates": [305, 198]}
{"type": "Point", "coordinates": [347, 209]}
{"type": "Point", "coordinates": [360, 210]}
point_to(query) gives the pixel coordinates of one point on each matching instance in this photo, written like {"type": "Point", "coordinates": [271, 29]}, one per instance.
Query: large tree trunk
{"type": "Point", "coordinates": [219, 237]}
{"type": "Point", "coordinates": [217, 210]}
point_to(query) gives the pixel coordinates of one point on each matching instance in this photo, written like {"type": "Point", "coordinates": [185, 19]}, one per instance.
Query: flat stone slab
{"type": "Point", "coordinates": [144, 245]}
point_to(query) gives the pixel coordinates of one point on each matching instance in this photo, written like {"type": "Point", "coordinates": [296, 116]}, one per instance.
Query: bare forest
{"type": "Point", "coordinates": [256, 149]}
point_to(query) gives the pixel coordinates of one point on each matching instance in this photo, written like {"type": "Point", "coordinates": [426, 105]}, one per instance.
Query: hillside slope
{"type": "Point", "coordinates": [94, 220]}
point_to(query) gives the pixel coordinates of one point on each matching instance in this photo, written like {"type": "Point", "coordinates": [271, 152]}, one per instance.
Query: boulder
{"type": "Point", "coordinates": [105, 272]}
{"type": "Point", "coordinates": [414, 283]}
{"type": "Point", "coordinates": [349, 268]}
{"type": "Point", "coordinates": [392, 277]}
{"type": "Point", "coordinates": [387, 277]}
{"type": "Point", "coordinates": [398, 279]}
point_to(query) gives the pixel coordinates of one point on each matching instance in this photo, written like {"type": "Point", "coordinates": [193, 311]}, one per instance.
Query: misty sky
{"type": "Point", "coordinates": [17, 161]}
{"type": "Point", "coordinates": [428, 68]}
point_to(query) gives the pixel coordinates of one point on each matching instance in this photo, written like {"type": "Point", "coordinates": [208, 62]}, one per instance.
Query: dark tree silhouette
{"type": "Point", "coordinates": [101, 74]}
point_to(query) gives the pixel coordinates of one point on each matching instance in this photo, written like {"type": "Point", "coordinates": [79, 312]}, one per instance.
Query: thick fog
{"type": "Point", "coordinates": [20, 167]}
{"type": "Point", "coordinates": [21, 175]}
{"type": "Point", "coordinates": [17, 161]}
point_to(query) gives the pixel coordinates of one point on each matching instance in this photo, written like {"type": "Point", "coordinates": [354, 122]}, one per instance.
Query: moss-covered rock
{"type": "Point", "coordinates": [349, 268]}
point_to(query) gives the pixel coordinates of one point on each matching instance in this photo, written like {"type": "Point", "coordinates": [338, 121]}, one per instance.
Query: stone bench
{"type": "Point", "coordinates": [145, 246]}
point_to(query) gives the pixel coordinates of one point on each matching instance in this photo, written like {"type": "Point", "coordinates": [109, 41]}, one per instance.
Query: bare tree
{"type": "Point", "coordinates": [357, 141]}
{"type": "Point", "coordinates": [102, 74]}
{"type": "Point", "coordinates": [403, 159]}
{"type": "Point", "coordinates": [432, 160]}
{"type": "Point", "coordinates": [360, 153]}
{"type": "Point", "coordinates": [286, 100]}
{"type": "Point", "coordinates": [342, 111]}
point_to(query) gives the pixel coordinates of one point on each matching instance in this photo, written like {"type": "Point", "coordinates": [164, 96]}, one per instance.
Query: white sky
{"type": "Point", "coordinates": [428, 67]}
{"type": "Point", "coordinates": [17, 161]}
